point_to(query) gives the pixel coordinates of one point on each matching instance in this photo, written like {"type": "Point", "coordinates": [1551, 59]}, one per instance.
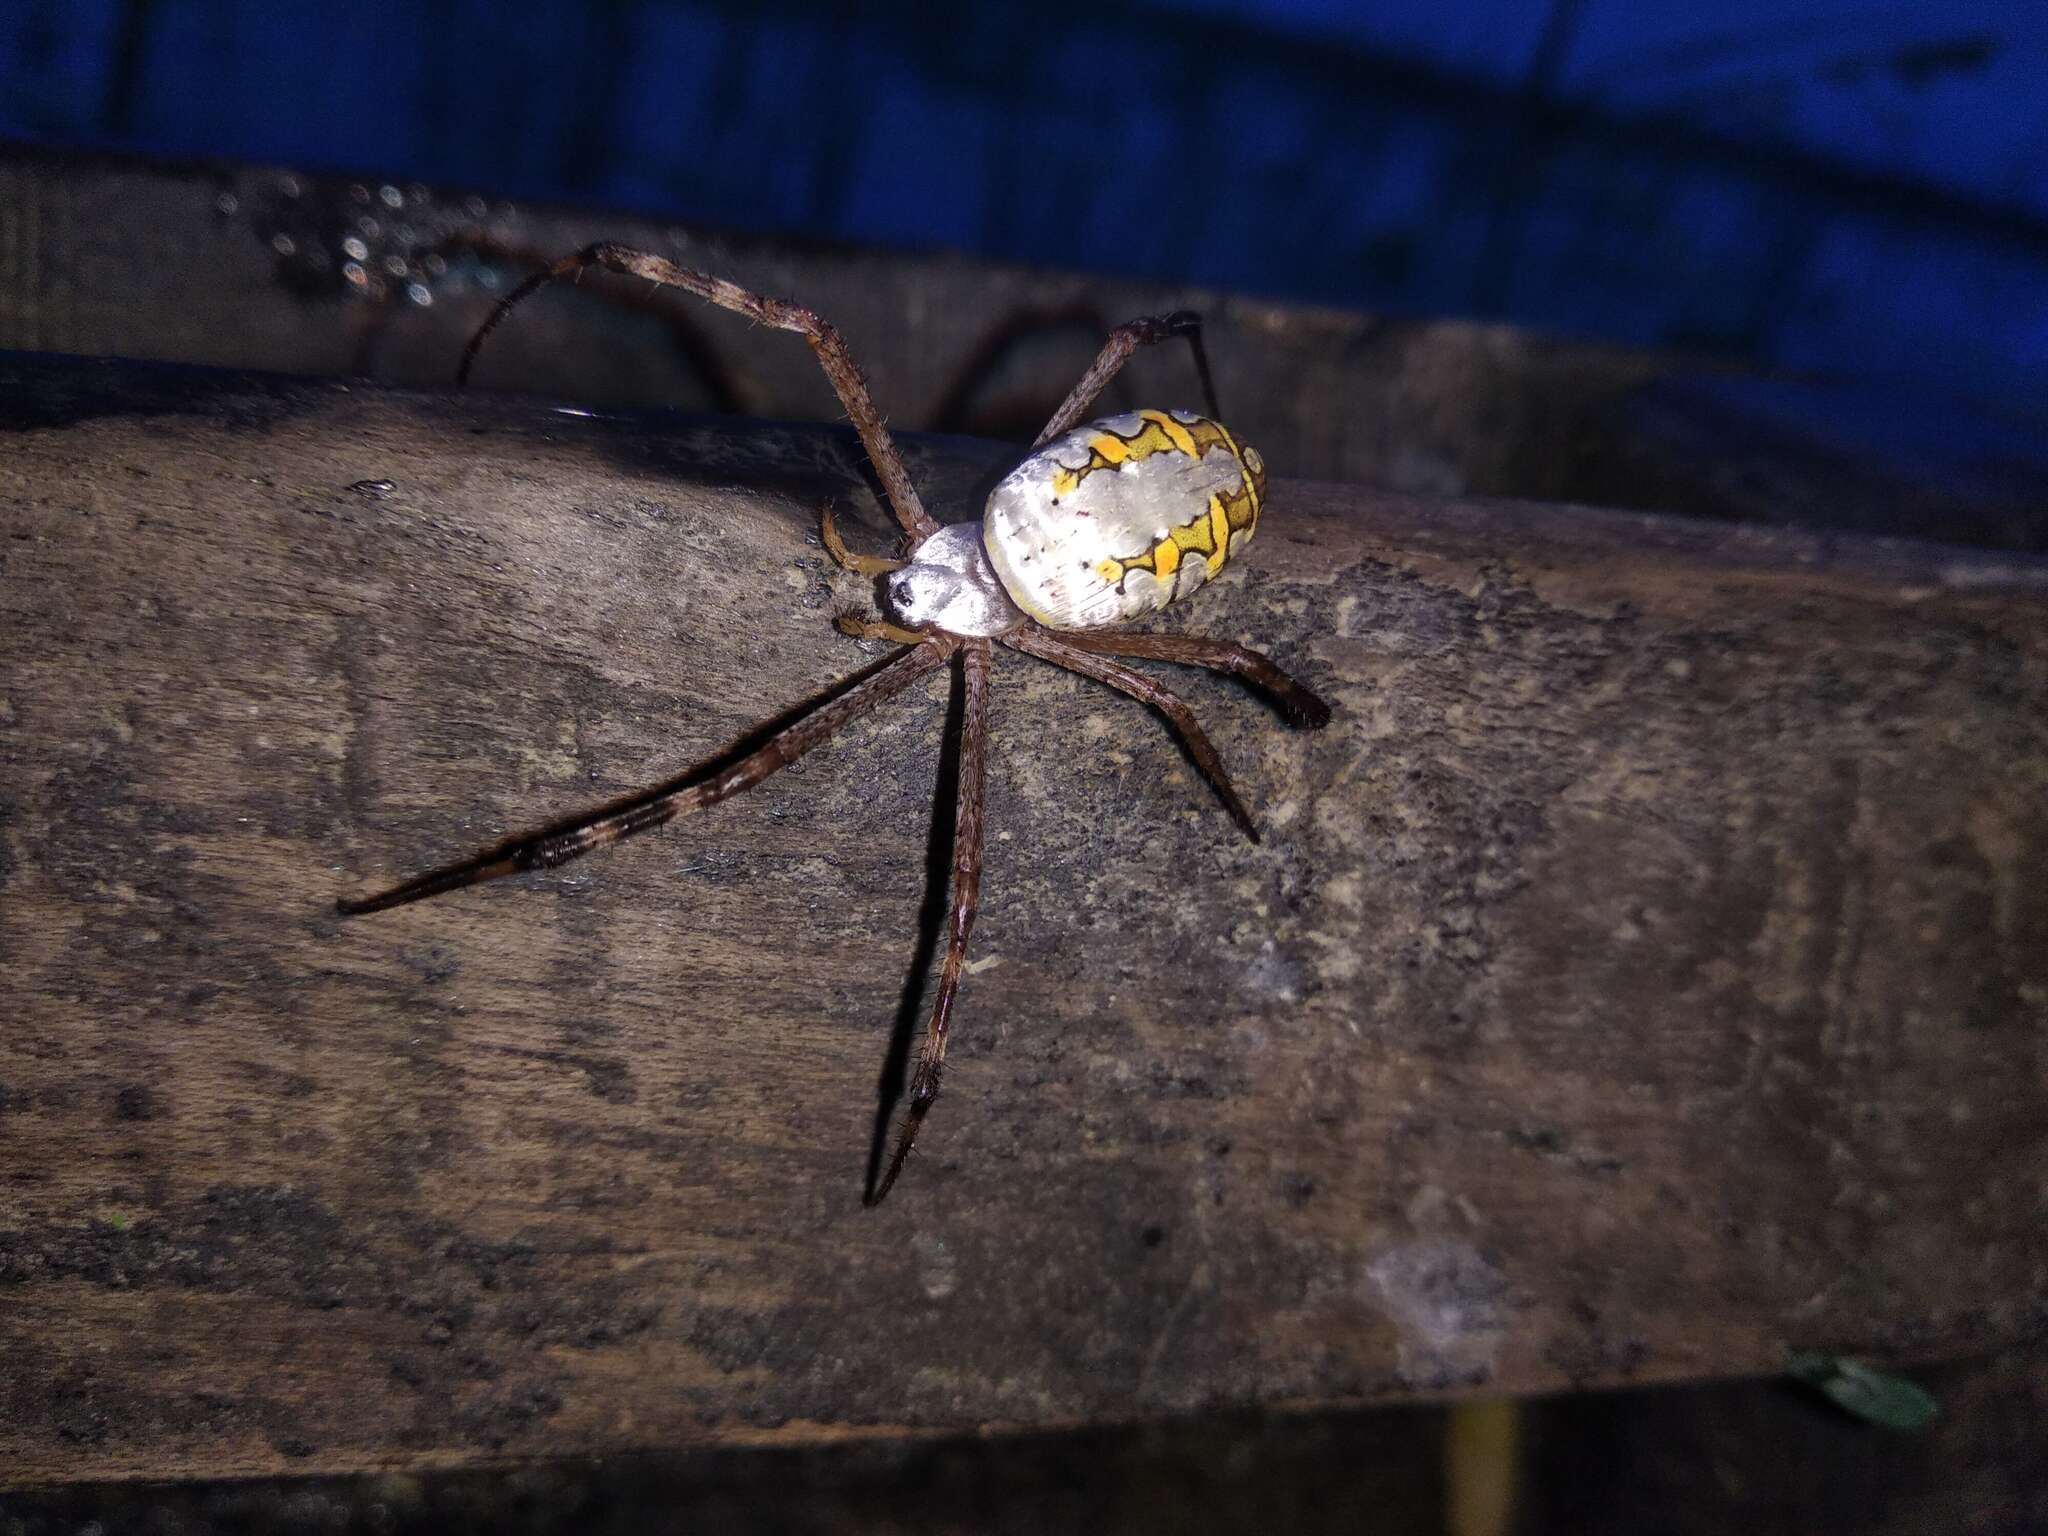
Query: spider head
{"type": "Point", "coordinates": [950, 585]}
{"type": "Point", "coordinates": [918, 594]}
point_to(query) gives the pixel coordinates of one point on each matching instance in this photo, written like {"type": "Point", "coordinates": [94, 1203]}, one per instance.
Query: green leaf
{"type": "Point", "coordinates": [1876, 1397]}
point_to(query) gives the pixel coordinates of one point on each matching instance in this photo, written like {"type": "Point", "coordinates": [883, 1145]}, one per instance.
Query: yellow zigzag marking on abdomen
{"type": "Point", "coordinates": [1207, 533]}
{"type": "Point", "coordinates": [1159, 434]}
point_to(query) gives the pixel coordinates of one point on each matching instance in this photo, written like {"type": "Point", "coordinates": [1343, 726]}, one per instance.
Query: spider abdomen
{"type": "Point", "coordinates": [1120, 517]}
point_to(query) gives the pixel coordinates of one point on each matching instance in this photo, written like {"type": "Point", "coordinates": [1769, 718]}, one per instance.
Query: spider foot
{"type": "Point", "coordinates": [1303, 710]}
{"type": "Point", "coordinates": [924, 1088]}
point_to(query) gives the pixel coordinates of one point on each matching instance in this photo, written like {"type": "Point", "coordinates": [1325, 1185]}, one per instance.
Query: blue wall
{"type": "Point", "coordinates": [1853, 186]}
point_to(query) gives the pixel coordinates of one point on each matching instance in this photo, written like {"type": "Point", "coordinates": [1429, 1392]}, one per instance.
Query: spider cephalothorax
{"type": "Point", "coordinates": [949, 584]}
{"type": "Point", "coordinates": [1098, 525]}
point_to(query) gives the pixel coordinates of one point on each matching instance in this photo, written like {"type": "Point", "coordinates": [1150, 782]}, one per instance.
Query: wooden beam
{"type": "Point", "coordinates": [1642, 977]}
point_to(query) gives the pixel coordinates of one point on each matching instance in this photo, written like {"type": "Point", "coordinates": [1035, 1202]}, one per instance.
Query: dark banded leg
{"type": "Point", "coordinates": [967, 824]}
{"type": "Point", "coordinates": [1123, 341]}
{"type": "Point", "coordinates": [833, 356]}
{"type": "Point", "coordinates": [1296, 705]}
{"type": "Point", "coordinates": [1179, 718]}
{"type": "Point", "coordinates": [571, 840]}
{"type": "Point", "coordinates": [687, 340]}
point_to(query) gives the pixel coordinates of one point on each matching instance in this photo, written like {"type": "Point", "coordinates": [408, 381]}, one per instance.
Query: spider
{"type": "Point", "coordinates": [1098, 525]}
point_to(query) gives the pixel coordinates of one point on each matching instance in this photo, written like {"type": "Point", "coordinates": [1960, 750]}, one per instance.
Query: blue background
{"type": "Point", "coordinates": [1855, 187]}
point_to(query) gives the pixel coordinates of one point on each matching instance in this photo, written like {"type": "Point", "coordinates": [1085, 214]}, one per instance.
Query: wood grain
{"type": "Point", "coordinates": [1645, 974]}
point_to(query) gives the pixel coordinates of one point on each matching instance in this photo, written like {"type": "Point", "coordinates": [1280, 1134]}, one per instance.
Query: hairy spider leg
{"type": "Point", "coordinates": [833, 356]}
{"type": "Point", "coordinates": [1123, 341]}
{"type": "Point", "coordinates": [1296, 704]}
{"type": "Point", "coordinates": [679, 797]}
{"type": "Point", "coordinates": [967, 825]}
{"type": "Point", "coordinates": [1179, 718]}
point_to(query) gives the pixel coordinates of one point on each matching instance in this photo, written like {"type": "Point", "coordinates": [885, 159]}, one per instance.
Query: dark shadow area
{"type": "Point", "coordinates": [1305, 1474]}
{"type": "Point", "coordinates": [1681, 1461]}
{"type": "Point", "coordinates": [43, 391]}
{"type": "Point", "coordinates": [983, 398]}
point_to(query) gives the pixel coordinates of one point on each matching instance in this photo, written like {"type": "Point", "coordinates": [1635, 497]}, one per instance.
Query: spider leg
{"type": "Point", "coordinates": [1179, 718]}
{"type": "Point", "coordinates": [830, 347]}
{"type": "Point", "coordinates": [1296, 704]}
{"type": "Point", "coordinates": [846, 559]}
{"type": "Point", "coordinates": [1123, 341]}
{"type": "Point", "coordinates": [572, 839]}
{"type": "Point", "coordinates": [967, 825]}
{"type": "Point", "coordinates": [688, 342]}
{"type": "Point", "coordinates": [876, 629]}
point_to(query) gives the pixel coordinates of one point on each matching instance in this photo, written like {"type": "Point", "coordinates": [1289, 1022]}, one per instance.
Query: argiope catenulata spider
{"type": "Point", "coordinates": [1098, 525]}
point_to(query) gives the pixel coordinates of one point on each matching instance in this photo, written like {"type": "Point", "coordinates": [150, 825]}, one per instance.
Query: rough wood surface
{"type": "Point", "coordinates": [1644, 975]}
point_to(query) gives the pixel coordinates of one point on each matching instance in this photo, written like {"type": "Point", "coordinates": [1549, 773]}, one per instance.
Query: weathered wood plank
{"type": "Point", "coordinates": [1645, 974]}
{"type": "Point", "coordinates": [245, 267]}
